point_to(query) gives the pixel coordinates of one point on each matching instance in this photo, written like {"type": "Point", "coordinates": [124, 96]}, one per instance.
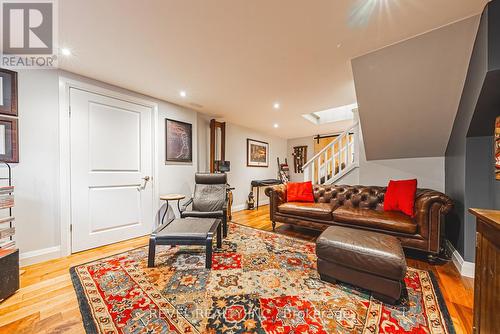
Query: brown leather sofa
{"type": "Point", "coordinates": [362, 207]}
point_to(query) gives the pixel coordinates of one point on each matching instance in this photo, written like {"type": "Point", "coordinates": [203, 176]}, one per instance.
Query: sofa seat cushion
{"type": "Point", "coordinates": [375, 253]}
{"type": "Point", "coordinates": [321, 211]}
{"type": "Point", "coordinates": [384, 220]}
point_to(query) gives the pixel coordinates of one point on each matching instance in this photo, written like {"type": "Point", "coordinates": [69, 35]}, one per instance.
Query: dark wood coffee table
{"type": "Point", "coordinates": [187, 231]}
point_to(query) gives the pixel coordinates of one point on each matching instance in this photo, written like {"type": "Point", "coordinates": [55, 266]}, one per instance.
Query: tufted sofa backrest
{"type": "Point", "coordinates": [365, 197]}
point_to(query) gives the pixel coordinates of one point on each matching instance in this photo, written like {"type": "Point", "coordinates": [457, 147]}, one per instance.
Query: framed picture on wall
{"type": "Point", "coordinates": [257, 153]}
{"type": "Point", "coordinates": [8, 92]}
{"type": "Point", "coordinates": [179, 141]}
{"type": "Point", "coordinates": [9, 149]}
{"type": "Point", "coordinates": [497, 148]}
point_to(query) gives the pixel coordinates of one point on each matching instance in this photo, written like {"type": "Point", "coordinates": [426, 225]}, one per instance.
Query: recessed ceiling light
{"type": "Point", "coordinates": [183, 93]}
{"type": "Point", "coordinates": [276, 125]}
{"type": "Point", "coordinates": [66, 52]}
{"type": "Point", "coordinates": [339, 45]}
{"type": "Point", "coordinates": [276, 105]}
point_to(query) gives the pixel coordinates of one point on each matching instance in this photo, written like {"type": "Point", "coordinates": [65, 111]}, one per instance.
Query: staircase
{"type": "Point", "coordinates": [336, 159]}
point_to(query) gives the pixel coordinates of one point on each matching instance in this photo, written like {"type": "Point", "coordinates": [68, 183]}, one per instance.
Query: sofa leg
{"type": "Point", "coordinates": [274, 225]}
{"type": "Point", "coordinates": [432, 259]}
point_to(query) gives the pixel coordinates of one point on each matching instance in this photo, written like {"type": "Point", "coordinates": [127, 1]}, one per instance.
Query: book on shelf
{"type": "Point", "coordinates": [6, 190]}
{"type": "Point", "coordinates": [6, 220]}
{"type": "Point", "coordinates": [7, 232]}
{"type": "Point", "coordinates": [6, 201]}
{"type": "Point", "coordinates": [7, 244]}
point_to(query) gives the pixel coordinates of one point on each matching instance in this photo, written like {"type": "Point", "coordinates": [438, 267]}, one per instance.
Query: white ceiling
{"type": "Point", "coordinates": [237, 57]}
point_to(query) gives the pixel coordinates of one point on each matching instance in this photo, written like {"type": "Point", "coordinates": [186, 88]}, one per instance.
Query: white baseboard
{"type": "Point", "coordinates": [468, 269]}
{"type": "Point", "coordinates": [241, 207]}
{"type": "Point", "coordinates": [39, 255]}
{"type": "Point", "coordinates": [465, 268]}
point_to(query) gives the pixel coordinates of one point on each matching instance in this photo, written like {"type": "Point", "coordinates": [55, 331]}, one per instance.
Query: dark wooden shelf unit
{"type": "Point", "coordinates": [487, 271]}
{"type": "Point", "coordinates": [9, 254]}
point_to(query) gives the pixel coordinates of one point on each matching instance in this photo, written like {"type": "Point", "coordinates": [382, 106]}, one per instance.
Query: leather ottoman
{"type": "Point", "coordinates": [370, 260]}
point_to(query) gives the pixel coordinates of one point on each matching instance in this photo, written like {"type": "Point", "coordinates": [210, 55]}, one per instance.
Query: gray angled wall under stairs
{"type": "Point", "coordinates": [469, 154]}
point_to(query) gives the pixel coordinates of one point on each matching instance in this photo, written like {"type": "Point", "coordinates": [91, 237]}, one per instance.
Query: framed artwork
{"type": "Point", "coordinates": [257, 153]}
{"type": "Point", "coordinates": [9, 149]}
{"type": "Point", "coordinates": [8, 92]}
{"type": "Point", "coordinates": [497, 148]}
{"type": "Point", "coordinates": [179, 141]}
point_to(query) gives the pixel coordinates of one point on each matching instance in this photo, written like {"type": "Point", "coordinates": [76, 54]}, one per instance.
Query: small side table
{"type": "Point", "coordinates": [172, 197]}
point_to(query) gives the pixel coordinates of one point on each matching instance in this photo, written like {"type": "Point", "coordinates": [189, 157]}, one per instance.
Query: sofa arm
{"type": "Point", "coordinates": [426, 198]}
{"type": "Point", "coordinates": [277, 196]}
{"type": "Point", "coordinates": [430, 208]}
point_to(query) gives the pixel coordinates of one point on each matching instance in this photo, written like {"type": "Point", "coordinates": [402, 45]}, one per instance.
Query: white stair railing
{"type": "Point", "coordinates": [336, 159]}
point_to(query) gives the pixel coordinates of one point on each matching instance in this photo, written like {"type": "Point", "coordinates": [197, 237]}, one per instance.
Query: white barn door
{"type": "Point", "coordinates": [111, 170]}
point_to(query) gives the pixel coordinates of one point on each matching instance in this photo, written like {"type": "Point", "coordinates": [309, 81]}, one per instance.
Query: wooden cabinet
{"type": "Point", "coordinates": [487, 271]}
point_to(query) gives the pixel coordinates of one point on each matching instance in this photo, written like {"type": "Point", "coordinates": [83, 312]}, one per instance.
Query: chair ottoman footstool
{"type": "Point", "coordinates": [370, 260]}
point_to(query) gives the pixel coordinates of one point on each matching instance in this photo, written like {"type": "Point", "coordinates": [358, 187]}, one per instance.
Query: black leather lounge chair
{"type": "Point", "coordinates": [209, 199]}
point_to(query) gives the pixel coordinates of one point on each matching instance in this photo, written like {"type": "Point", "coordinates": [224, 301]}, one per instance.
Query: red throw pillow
{"type": "Point", "coordinates": [299, 192]}
{"type": "Point", "coordinates": [400, 196]}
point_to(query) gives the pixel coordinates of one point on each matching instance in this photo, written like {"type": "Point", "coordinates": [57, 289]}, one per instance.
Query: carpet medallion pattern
{"type": "Point", "coordinates": [260, 282]}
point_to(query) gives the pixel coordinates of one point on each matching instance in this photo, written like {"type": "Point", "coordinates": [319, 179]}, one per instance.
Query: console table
{"type": "Point", "coordinates": [487, 271]}
{"type": "Point", "coordinates": [263, 183]}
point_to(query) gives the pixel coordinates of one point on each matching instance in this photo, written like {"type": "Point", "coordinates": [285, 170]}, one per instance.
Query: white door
{"type": "Point", "coordinates": [111, 170]}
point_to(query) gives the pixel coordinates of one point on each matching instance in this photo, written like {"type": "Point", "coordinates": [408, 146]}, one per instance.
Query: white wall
{"type": "Point", "coordinates": [176, 177]}
{"type": "Point", "coordinates": [203, 142]}
{"type": "Point", "coordinates": [429, 172]}
{"type": "Point", "coordinates": [36, 177]}
{"type": "Point", "coordinates": [241, 175]}
{"type": "Point", "coordinates": [303, 141]}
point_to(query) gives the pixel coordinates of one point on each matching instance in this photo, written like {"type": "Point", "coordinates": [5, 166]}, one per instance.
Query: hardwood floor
{"type": "Point", "coordinates": [46, 302]}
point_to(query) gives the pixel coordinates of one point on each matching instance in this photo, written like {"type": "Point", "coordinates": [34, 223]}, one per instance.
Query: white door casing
{"type": "Point", "coordinates": [111, 156]}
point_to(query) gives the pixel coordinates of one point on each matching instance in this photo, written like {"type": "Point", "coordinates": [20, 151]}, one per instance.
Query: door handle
{"type": "Point", "coordinates": [146, 179]}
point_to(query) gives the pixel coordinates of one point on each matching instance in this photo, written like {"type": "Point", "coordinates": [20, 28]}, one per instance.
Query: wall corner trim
{"type": "Point", "coordinates": [39, 255]}
{"type": "Point", "coordinates": [465, 268]}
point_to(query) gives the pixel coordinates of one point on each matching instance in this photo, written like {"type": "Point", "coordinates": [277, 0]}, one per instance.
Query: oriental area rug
{"type": "Point", "coordinates": [260, 282]}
